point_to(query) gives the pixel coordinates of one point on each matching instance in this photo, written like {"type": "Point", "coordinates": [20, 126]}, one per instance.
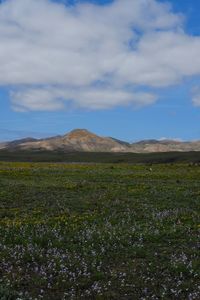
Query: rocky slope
{"type": "Point", "coordinates": [83, 140]}
{"type": "Point", "coordinates": [165, 146]}
{"type": "Point", "coordinates": [76, 140]}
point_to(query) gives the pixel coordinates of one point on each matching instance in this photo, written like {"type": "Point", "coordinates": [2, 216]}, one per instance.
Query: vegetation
{"type": "Point", "coordinates": [100, 157]}
{"type": "Point", "coordinates": [99, 231]}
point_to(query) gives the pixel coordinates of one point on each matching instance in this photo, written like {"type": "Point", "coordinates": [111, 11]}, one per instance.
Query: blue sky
{"type": "Point", "coordinates": [111, 104]}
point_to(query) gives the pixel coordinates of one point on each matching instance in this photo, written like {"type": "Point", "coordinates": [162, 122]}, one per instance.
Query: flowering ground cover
{"type": "Point", "coordinates": [99, 231]}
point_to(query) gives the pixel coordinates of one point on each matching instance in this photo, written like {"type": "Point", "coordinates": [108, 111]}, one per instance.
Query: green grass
{"type": "Point", "coordinates": [99, 231]}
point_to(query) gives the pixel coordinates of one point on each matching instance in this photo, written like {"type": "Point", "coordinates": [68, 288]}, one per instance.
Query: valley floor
{"type": "Point", "coordinates": [99, 231]}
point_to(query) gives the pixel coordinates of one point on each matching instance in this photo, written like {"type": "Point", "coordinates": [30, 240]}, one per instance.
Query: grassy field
{"type": "Point", "coordinates": [99, 157]}
{"type": "Point", "coordinates": [99, 231]}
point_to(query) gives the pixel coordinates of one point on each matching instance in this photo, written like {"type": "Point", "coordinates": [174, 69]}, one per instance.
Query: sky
{"type": "Point", "coordinates": [129, 69]}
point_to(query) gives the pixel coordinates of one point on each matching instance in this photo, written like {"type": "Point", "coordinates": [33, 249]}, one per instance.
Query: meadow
{"type": "Point", "coordinates": [99, 231]}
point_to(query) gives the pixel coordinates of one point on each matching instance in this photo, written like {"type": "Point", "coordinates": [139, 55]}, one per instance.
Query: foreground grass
{"type": "Point", "coordinates": [78, 231]}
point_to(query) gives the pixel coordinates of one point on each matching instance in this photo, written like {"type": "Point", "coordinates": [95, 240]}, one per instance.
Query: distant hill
{"type": "Point", "coordinates": [81, 140]}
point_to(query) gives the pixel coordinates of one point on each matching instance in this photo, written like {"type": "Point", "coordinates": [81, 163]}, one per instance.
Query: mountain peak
{"type": "Point", "coordinates": [78, 133]}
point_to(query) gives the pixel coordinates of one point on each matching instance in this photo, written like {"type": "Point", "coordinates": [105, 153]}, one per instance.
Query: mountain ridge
{"type": "Point", "coordinates": [82, 140]}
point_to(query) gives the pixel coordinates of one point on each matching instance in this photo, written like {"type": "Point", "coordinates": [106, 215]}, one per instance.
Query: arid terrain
{"type": "Point", "coordinates": [82, 140]}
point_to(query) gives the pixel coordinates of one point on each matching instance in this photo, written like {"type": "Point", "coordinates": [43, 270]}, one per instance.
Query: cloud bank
{"type": "Point", "coordinates": [54, 56]}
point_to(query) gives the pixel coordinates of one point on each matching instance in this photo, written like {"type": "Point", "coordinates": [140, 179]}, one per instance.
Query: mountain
{"type": "Point", "coordinates": [13, 144]}
{"type": "Point", "coordinates": [19, 142]}
{"type": "Point", "coordinates": [76, 140]}
{"type": "Point", "coordinates": [150, 146]}
{"type": "Point", "coordinates": [3, 145]}
{"type": "Point", "coordinates": [81, 140]}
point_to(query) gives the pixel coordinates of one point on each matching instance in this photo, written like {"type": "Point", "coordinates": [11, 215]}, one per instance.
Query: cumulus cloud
{"type": "Point", "coordinates": [92, 56]}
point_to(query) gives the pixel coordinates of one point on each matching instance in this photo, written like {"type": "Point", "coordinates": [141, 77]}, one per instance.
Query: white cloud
{"type": "Point", "coordinates": [53, 98]}
{"type": "Point", "coordinates": [92, 56]}
{"type": "Point", "coordinates": [36, 99]}
{"type": "Point", "coordinates": [196, 96]}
